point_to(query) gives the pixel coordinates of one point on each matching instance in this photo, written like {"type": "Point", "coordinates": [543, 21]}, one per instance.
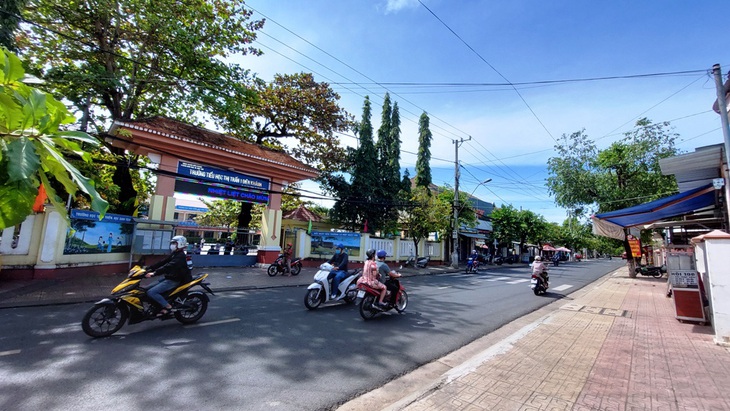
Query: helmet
{"type": "Point", "coordinates": [288, 244]}
{"type": "Point", "coordinates": [538, 258]}
{"type": "Point", "coordinates": [340, 246]}
{"type": "Point", "coordinates": [181, 241]}
{"type": "Point", "coordinates": [381, 254]}
{"type": "Point", "coordinates": [370, 253]}
{"type": "Point", "coordinates": [473, 251]}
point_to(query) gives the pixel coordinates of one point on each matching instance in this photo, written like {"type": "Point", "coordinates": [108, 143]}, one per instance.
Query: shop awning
{"type": "Point", "coordinates": [611, 224]}
{"type": "Point", "coordinates": [474, 235]}
{"type": "Point", "coordinates": [548, 247]}
{"type": "Point", "coordinates": [567, 250]}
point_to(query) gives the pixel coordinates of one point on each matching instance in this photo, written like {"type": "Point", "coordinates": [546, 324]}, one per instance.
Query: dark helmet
{"type": "Point", "coordinates": [370, 254]}
{"type": "Point", "coordinates": [381, 254]}
{"type": "Point", "coordinates": [340, 246]}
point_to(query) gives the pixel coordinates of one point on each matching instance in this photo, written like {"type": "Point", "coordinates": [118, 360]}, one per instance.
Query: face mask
{"type": "Point", "coordinates": [173, 247]}
{"type": "Point", "coordinates": [337, 251]}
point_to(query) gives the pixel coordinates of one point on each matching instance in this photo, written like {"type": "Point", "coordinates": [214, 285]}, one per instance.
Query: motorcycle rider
{"type": "Point", "coordinates": [286, 256]}
{"type": "Point", "coordinates": [391, 283]}
{"type": "Point", "coordinates": [339, 272]}
{"type": "Point", "coordinates": [474, 260]}
{"type": "Point", "coordinates": [370, 277]}
{"type": "Point", "coordinates": [175, 269]}
{"type": "Point", "coordinates": [539, 268]}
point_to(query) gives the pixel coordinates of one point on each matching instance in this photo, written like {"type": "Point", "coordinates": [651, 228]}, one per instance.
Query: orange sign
{"type": "Point", "coordinates": [635, 245]}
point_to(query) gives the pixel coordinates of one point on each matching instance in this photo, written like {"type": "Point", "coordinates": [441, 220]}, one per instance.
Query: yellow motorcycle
{"type": "Point", "coordinates": [129, 301]}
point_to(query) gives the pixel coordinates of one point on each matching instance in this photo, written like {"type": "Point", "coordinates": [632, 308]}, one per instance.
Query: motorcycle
{"type": "Point", "coordinates": [319, 291]}
{"type": "Point", "coordinates": [538, 284]}
{"type": "Point", "coordinates": [368, 296]}
{"type": "Point", "coordinates": [651, 271]}
{"type": "Point", "coordinates": [412, 262]}
{"type": "Point", "coordinates": [472, 265]}
{"type": "Point", "coordinates": [423, 262]}
{"type": "Point", "coordinates": [278, 266]}
{"type": "Point", "coordinates": [129, 301]}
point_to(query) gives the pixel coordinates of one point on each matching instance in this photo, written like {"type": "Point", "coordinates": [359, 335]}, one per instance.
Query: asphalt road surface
{"type": "Point", "coordinates": [261, 349]}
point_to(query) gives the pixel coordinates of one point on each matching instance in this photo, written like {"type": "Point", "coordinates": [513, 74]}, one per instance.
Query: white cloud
{"type": "Point", "coordinates": [397, 5]}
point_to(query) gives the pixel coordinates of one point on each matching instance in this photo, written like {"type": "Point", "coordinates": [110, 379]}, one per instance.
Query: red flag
{"type": "Point", "coordinates": [40, 199]}
{"type": "Point", "coordinates": [365, 228]}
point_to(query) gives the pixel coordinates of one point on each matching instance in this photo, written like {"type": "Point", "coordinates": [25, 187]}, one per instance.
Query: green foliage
{"type": "Point", "coordinates": [425, 215]}
{"type": "Point", "coordinates": [584, 179]}
{"type": "Point", "coordinates": [33, 147]}
{"type": "Point", "coordinates": [9, 19]}
{"type": "Point", "coordinates": [221, 213]}
{"type": "Point", "coordinates": [294, 105]}
{"type": "Point", "coordinates": [423, 167]}
{"type": "Point", "coordinates": [523, 226]}
{"type": "Point", "coordinates": [467, 215]}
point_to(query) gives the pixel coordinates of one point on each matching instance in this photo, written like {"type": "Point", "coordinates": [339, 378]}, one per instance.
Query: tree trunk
{"type": "Point", "coordinates": [127, 193]}
{"type": "Point", "coordinates": [244, 221]}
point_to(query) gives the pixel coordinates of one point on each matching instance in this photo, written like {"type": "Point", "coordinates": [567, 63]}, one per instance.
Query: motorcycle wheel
{"type": "Point", "coordinates": [537, 290]}
{"type": "Point", "coordinates": [104, 320]}
{"type": "Point", "coordinates": [296, 269]}
{"type": "Point", "coordinates": [657, 274]}
{"type": "Point", "coordinates": [367, 312]}
{"type": "Point", "coordinates": [313, 298]}
{"type": "Point", "coordinates": [402, 302]}
{"type": "Point", "coordinates": [196, 306]}
{"type": "Point", "coordinates": [272, 271]}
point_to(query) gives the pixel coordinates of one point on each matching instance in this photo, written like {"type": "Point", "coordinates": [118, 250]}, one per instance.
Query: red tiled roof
{"type": "Point", "coordinates": [303, 214]}
{"type": "Point", "coordinates": [169, 127]}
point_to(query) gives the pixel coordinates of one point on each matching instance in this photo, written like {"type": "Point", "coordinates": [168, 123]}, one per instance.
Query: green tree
{"type": "Point", "coordinates": [9, 20]}
{"type": "Point", "coordinates": [522, 226]}
{"type": "Point", "coordinates": [33, 147]}
{"type": "Point", "coordinates": [357, 199]}
{"type": "Point", "coordinates": [135, 59]}
{"type": "Point", "coordinates": [294, 105]}
{"type": "Point", "coordinates": [584, 179]}
{"type": "Point", "coordinates": [424, 216]}
{"type": "Point", "coordinates": [423, 161]}
{"type": "Point", "coordinates": [221, 213]}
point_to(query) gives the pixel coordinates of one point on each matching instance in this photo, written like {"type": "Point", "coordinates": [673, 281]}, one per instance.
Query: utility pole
{"type": "Point", "coordinates": [722, 108]}
{"type": "Point", "coordinates": [455, 254]}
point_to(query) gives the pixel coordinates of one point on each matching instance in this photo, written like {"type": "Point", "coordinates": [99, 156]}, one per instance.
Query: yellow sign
{"type": "Point", "coordinates": [635, 246]}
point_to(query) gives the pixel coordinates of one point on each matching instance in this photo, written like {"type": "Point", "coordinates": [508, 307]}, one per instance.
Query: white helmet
{"type": "Point", "coordinates": [181, 241]}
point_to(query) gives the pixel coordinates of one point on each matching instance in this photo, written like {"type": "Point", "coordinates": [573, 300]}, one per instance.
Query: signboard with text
{"type": "Point", "coordinates": [214, 182]}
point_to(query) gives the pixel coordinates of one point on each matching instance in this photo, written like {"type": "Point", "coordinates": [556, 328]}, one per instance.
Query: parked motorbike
{"type": "Point", "coordinates": [538, 284]}
{"type": "Point", "coordinates": [319, 292]}
{"type": "Point", "coordinates": [472, 264]}
{"type": "Point", "coordinates": [510, 259]}
{"type": "Point", "coordinates": [129, 301]}
{"type": "Point", "coordinates": [278, 266]}
{"type": "Point", "coordinates": [367, 297]}
{"type": "Point", "coordinates": [651, 271]}
{"type": "Point", "coordinates": [423, 262]}
{"type": "Point", "coordinates": [410, 262]}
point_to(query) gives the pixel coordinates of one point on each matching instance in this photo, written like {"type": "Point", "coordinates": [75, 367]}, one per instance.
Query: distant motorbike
{"type": "Point", "coordinates": [510, 259]}
{"type": "Point", "coordinates": [278, 266]}
{"type": "Point", "coordinates": [472, 265]}
{"type": "Point", "coordinates": [367, 296]}
{"type": "Point", "coordinates": [651, 271]}
{"type": "Point", "coordinates": [129, 301]}
{"type": "Point", "coordinates": [412, 262]}
{"type": "Point", "coordinates": [319, 292]}
{"type": "Point", "coordinates": [423, 262]}
{"type": "Point", "coordinates": [538, 284]}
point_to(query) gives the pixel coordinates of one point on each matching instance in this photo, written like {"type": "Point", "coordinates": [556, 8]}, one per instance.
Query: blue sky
{"type": "Point", "coordinates": [366, 47]}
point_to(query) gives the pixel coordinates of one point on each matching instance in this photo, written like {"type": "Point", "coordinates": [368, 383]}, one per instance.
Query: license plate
{"type": "Point", "coordinates": [361, 294]}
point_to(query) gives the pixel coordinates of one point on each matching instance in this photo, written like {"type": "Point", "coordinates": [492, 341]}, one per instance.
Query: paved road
{"type": "Point", "coordinates": [260, 349]}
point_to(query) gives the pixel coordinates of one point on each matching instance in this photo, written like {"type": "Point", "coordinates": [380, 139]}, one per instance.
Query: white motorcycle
{"type": "Point", "coordinates": [320, 292]}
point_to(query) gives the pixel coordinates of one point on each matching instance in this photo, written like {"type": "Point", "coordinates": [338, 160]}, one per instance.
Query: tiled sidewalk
{"type": "Point", "coordinates": [617, 346]}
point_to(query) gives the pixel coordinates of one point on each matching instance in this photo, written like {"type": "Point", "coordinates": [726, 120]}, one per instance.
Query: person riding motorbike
{"type": "Point", "coordinates": [175, 269]}
{"type": "Point", "coordinates": [339, 272]}
{"type": "Point", "coordinates": [474, 256]}
{"type": "Point", "coordinates": [539, 268]}
{"type": "Point", "coordinates": [370, 277]}
{"type": "Point", "coordinates": [391, 283]}
{"type": "Point", "coordinates": [286, 257]}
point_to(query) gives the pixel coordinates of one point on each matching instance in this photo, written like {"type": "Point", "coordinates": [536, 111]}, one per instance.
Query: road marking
{"type": "Point", "coordinates": [518, 281]}
{"type": "Point", "coordinates": [11, 352]}
{"type": "Point", "coordinates": [498, 279]}
{"type": "Point", "coordinates": [230, 320]}
{"type": "Point", "coordinates": [563, 287]}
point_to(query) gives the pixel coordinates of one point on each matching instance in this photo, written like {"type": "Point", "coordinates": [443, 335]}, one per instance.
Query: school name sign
{"type": "Point", "coordinates": [214, 182]}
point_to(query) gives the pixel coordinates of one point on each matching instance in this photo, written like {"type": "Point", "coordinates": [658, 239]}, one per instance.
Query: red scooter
{"type": "Point", "coordinates": [368, 296]}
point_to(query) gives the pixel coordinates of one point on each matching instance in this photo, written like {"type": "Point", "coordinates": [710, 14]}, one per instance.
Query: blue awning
{"type": "Point", "coordinates": [667, 207]}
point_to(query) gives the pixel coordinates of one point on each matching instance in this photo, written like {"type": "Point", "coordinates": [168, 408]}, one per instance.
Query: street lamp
{"type": "Point", "coordinates": [455, 254]}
